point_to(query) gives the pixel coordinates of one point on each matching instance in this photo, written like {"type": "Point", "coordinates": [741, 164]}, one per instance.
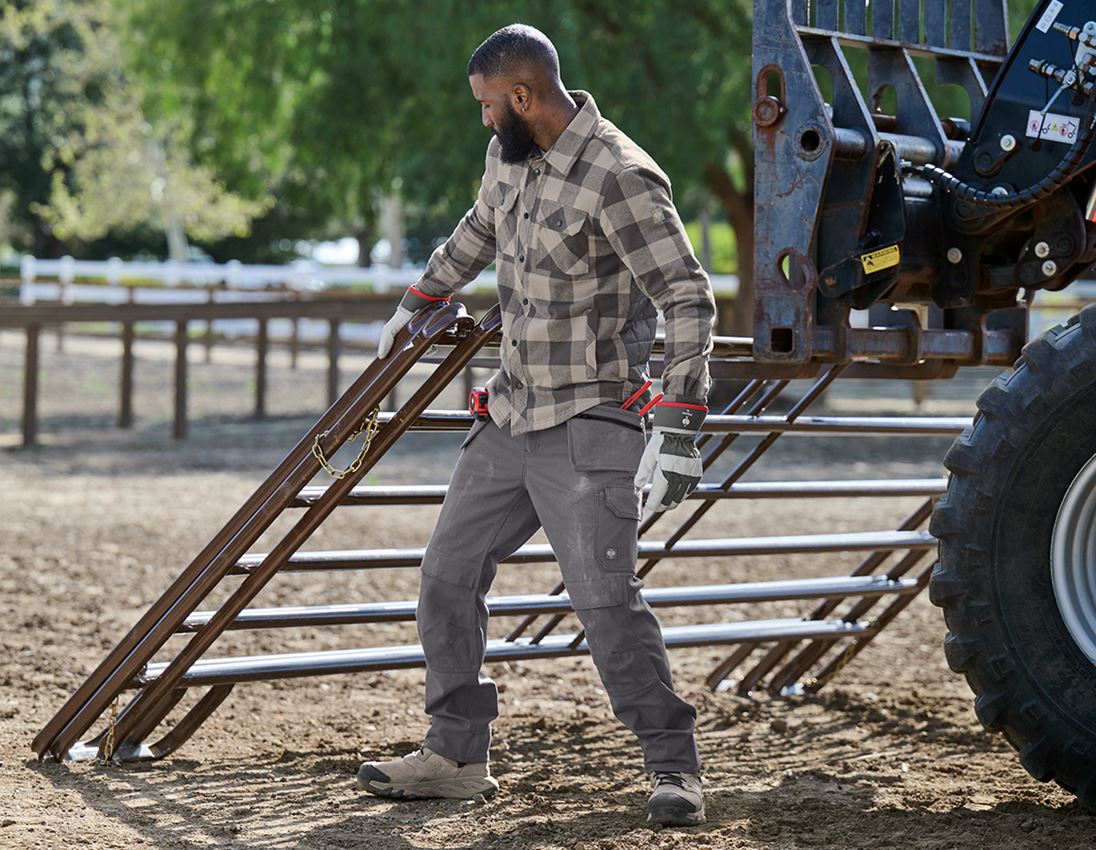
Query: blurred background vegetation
{"type": "Point", "coordinates": [251, 126]}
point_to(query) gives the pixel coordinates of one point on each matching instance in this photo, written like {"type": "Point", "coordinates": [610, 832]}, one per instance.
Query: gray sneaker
{"type": "Point", "coordinates": [424, 774]}
{"type": "Point", "coordinates": [677, 799]}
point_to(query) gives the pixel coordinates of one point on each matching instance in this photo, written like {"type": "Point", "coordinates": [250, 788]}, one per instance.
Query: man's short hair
{"type": "Point", "coordinates": [515, 49]}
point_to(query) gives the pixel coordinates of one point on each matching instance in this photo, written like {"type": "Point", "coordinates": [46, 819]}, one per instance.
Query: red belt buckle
{"type": "Point", "coordinates": [477, 402]}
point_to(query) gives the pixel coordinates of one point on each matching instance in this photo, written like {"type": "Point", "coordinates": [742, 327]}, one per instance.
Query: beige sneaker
{"type": "Point", "coordinates": [677, 799]}
{"type": "Point", "coordinates": [424, 774]}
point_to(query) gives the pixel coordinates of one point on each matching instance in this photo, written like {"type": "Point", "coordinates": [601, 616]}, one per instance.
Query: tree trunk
{"type": "Point", "coordinates": [366, 236]}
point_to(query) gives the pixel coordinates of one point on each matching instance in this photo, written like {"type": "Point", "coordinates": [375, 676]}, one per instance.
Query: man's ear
{"type": "Point", "coordinates": [521, 98]}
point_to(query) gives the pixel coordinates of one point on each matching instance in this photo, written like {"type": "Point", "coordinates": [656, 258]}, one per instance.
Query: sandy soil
{"type": "Point", "coordinates": [95, 524]}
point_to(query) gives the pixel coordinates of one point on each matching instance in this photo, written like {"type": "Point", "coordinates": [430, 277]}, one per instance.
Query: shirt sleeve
{"type": "Point", "coordinates": [468, 251]}
{"type": "Point", "coordinates": [639, 220]}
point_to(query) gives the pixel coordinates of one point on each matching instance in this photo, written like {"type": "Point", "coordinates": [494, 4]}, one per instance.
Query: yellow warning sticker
{"type": "Point", "coordinates": [877, 261]}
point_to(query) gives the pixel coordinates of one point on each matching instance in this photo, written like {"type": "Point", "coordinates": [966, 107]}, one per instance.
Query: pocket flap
{"type": "Point", "coordinates": [564, 220]}
{"type": "Point", "coordinates": [623, 501]}
{"type": "Point", "coordinates": [502, 197]}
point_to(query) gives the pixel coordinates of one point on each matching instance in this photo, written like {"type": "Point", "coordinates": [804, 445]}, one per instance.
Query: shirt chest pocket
{"type": "Point", "coordinates": [563, 240]}
{"type": "Point", "coordinates": [501, 200]}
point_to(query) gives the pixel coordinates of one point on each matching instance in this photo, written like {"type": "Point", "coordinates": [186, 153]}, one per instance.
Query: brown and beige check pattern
{"type": "Point", "coordinates": [587, 242]}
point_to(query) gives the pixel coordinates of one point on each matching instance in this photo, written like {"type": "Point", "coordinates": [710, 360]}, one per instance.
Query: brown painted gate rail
{"type": "Point", "coordinates": [823, 640]}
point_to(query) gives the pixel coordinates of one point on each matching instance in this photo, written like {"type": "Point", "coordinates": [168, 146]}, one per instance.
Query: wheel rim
{"type": "Point", "coordinates": [1073, 559]}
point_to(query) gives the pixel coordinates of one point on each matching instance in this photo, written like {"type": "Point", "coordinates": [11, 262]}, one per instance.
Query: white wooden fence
{"type": "Point", "coordinates": [301, 276]}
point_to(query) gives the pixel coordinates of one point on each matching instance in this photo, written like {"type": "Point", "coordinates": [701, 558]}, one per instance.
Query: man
{"type": "Point", "coordinates": [580, 223]}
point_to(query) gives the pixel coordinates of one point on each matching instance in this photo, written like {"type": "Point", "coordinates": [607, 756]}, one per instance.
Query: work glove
{"type": "Point", "coordinates": [413, 300]}
{"type": "Point", "coordinates": [671, 461]}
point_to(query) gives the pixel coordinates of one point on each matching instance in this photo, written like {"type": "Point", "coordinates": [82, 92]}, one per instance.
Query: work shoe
{"type": "Point", "coordinates": [676, 799]}
{"type": "Point", "coordinates": [424, 774]}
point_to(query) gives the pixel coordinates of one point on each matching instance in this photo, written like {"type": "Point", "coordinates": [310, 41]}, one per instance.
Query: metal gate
{"type": "Point", "coordinates": [840, 614]}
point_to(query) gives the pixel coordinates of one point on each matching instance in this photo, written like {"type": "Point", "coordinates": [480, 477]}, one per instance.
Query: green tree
{"type": "Point", "coordinates": [353, 98]}
{"type": "Point", "coordinates": [81, 159]}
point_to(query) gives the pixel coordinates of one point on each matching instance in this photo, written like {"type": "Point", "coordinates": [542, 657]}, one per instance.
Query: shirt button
{"type": "Point", "coordinates": [526, 215]}
{"type": "Point", "coordinates": [536, 172]}
{"type": "Point", "coordinates": [524, 300]}
{"type": "Point", "coordinates": [517, 385]}
{"type": "Point", "coordinates": [521, 259]}
{"type": "Point", "coordinates": [513, 342]}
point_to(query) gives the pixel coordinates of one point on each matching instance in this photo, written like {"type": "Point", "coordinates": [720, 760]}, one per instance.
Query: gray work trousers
{"type": "Point", "coordinates": [575, 480]}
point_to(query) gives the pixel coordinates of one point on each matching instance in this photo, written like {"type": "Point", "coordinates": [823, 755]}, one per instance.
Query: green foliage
{"type": "Point", "coordinates": [347, 100]}
{"type": "Point", "coordinates": [724, 246]}
{"type": "Point", "coordinates": [328, 105]}
{"type": "Point", "coordinates": [83, 160]}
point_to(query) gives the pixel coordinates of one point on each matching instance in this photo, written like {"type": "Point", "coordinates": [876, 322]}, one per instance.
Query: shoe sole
{"type": "Point", "coordinates": [449, 789]}
{"type": "Point", "coordinates": [673, 812]}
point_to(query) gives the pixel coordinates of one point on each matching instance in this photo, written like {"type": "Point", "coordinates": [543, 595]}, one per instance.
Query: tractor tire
{"type": "Point", "coordinates": [1017, 570]}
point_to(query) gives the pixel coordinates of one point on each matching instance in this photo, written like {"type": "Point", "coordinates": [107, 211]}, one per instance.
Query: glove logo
{"type": "Point", "coordinates": [610, 554]}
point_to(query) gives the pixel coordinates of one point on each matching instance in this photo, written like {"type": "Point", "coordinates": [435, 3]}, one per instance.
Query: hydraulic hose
{"type": "Point", "coordinates": [1054, 181]}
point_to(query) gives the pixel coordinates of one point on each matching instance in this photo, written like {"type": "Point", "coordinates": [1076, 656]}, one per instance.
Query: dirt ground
{"type": "Point", "coordinates": [96, 522]}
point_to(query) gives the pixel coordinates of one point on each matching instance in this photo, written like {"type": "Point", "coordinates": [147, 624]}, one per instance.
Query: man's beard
{"type": "Point", "coordinates": [515, 138]}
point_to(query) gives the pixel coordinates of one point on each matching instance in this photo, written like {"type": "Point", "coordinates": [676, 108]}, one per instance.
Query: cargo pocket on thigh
{"type": "Point", "coordinates": [617, 527]}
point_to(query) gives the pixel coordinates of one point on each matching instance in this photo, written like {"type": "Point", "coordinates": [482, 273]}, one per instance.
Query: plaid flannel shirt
{"type": "Point", "coordinates": [585, 237]}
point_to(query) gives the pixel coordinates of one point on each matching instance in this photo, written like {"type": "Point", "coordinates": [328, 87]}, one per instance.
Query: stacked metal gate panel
{"type": "Point", "coordinates": [822, 640]}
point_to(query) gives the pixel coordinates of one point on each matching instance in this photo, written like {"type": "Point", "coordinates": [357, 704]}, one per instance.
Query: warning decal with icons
{"type": "Point", "coordinates": [877, 261]}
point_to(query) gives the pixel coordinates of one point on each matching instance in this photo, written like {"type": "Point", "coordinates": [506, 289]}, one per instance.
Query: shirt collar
{"type": "Point", "coordinates": [568, 147]}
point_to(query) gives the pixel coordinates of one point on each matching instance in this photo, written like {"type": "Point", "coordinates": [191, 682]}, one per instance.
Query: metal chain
{"type": "Point", "coordinates": [817, 683]}
{"type": "Point", "coordinates": [109, 743]}
{"type": "Point", "coordinates": [369, 428]}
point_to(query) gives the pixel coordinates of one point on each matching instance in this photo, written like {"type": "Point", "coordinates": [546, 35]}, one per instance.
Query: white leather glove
{"type": "Point", "coordinates": [410, 304]}
{"type": "Point", "coordinates": [671, 461]}
{"type": "Point", "coordinates": [392, 327]}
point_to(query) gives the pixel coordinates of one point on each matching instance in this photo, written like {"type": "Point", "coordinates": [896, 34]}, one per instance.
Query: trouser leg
{"type": "Point", "coordinates": [580, 482]}
{"type": "Point", "coordinates": [485, 517]}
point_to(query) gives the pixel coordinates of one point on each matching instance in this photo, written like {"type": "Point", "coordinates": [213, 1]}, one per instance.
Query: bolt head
{"type": "Point", "coordinates": [1050, 268]}
{"type": "Point", "coordinates": [1008, 142]}
{"type": "Point", "coordinates": [1042, 250]}
{"type": "Point", "coordinates": [955, 256]}
{"type": "Point", "coordinates": [767, 111]}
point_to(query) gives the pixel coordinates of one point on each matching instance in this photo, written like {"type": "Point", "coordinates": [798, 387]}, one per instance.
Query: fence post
{"type": "Point", "coordinates": [30, 388]}
{"type": "Point", "coordinates": [210, 298]}
{"type": "Point", "coordinates": [294, 334]}
{"type": "Point", "coordinates": [262, 344]}
{"type": "Point", "coordinates": [178, 429]}
{"type": "Point", "coordinates": [67, 275]}
{"type": "Point", "coordinates": [334, 346]}
{"type": "Point", "coordinates": [125, 407]}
